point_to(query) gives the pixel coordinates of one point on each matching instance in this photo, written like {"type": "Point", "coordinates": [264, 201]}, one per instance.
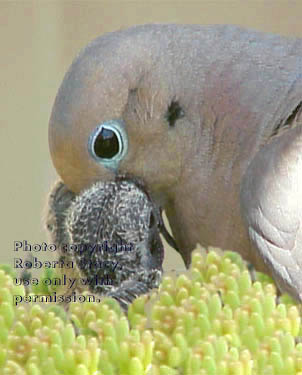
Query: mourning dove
{"type": "Point", "coordinates": [208, 117]}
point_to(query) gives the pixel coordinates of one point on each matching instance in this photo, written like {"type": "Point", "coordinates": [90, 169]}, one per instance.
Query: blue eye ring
{"type": "Point", "coordinates": [120, 138]}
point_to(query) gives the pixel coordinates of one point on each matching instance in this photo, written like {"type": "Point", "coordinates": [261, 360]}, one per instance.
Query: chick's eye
{"type": "Point", "coordinates": [152, 221]}
{"type": "Point", "coordinates": [106, 144]}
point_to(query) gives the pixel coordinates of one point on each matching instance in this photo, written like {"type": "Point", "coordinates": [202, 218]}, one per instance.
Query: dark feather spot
{"type": "Point", "coordinates": [133, 91]}
{"type": "Point", "coordinates": [174, 113]}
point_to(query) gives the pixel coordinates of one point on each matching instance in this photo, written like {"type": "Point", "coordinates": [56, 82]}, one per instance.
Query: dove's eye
{"type": "Point", "coordinates": [108, 143]}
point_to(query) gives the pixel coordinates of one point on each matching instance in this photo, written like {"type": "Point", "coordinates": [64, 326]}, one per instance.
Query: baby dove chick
{"type": "Point", "coordinates": [112, 232]}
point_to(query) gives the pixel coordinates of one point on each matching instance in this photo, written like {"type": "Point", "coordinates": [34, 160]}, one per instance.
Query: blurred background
{"type": "Point", "coordinates": [38, 41]}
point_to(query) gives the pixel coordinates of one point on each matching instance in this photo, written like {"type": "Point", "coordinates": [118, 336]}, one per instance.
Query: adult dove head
{"type": "Point", "coordinates": [205, 116]}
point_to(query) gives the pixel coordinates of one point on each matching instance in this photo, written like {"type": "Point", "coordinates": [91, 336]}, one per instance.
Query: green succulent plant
{"type": "Point", "coordinates": [211, 320]}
